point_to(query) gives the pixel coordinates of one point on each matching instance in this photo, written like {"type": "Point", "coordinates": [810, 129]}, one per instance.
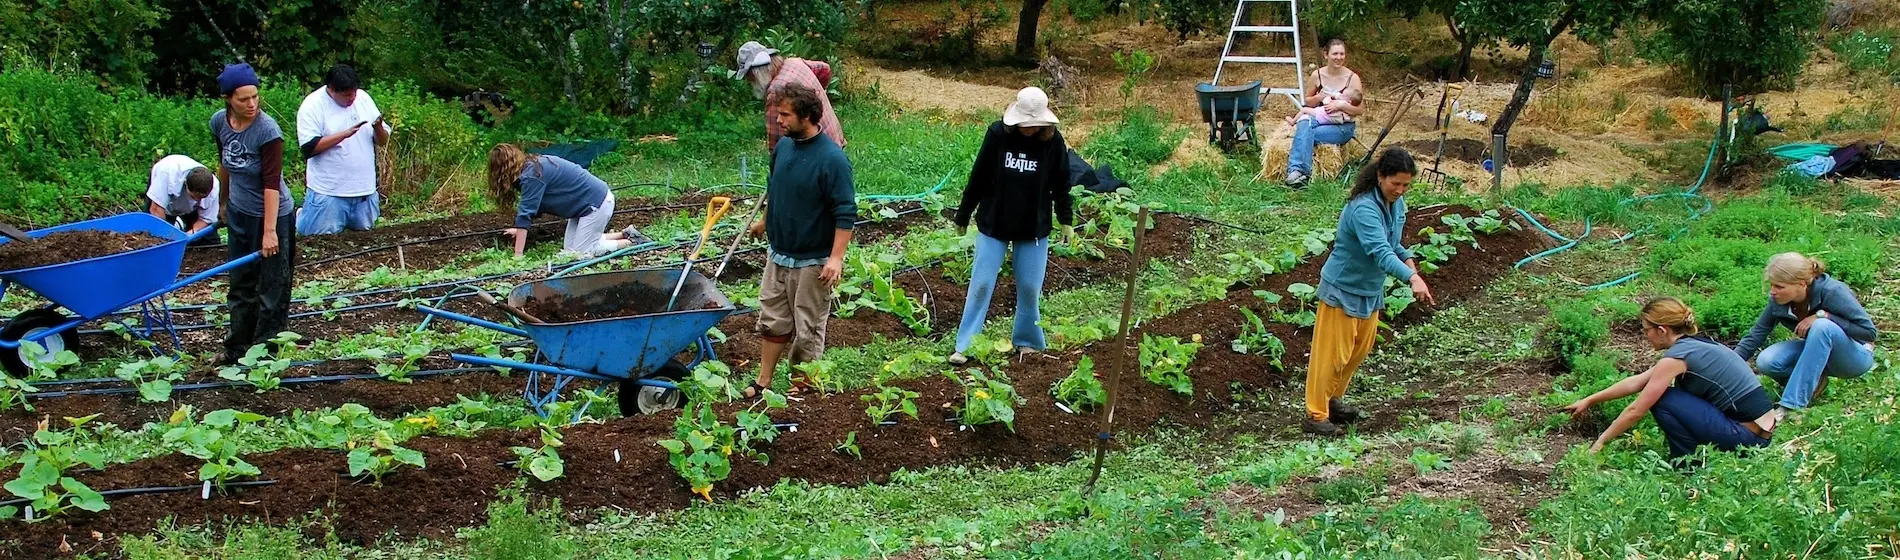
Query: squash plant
{"type": "Point", "coordinates": [1255, 339]}
{"type": "Point", "coordinates": [42, 476]}
{"type": "Point", "coordinates": [260, 367]}
{"type": "Point", "coordinates": [218, 439]}
{"type": "Point", "coordinates": [1081, 390]}
{"type": "Point", "coordinates": [701, 451]}
{"type": "Point", "coordinates": [153, 377]}
{"type": "Point", "coordinates": [13, 390]}
{"type": "Point", "coordinates": [380, 455]}
{"type": "Point", "coordinates": [1164, 361]}
{"type": "Point", "coordinates": [543, 463]}
{"type": "Point", "coordinates": [888, 401]}
{"type": "Point", "coordinates": [986, 400]}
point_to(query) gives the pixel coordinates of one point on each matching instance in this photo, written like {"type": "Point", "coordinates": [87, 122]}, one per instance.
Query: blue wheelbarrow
{"type": "Point", "coordinates": [633, 344]}
{"type": "Point", "coordinates": [97, 287]}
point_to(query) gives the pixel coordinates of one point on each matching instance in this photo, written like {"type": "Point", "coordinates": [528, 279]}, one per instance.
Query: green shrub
{"type": "Point", "coordinates": [1414, 527]}
{"type": "Point", "coordinates": [1576, 329]}
{"type": "Point", "coordinates": [1349, 490]}
{"type": "Point", "coordinates": [1867, 52]}
{"type": "Point", "coordinates": [1732, 307]}
{"type": "Point", "coordinates": [515, 530]}
{"type": "Point", "coordinates": [1140, 140]}
{"type": "Point", "coordinates": [1752, 44]}
{"type": "Point", "coordinates": [1794, 184]}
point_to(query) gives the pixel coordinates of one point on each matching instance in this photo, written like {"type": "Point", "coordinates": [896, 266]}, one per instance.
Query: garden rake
{"type": "Point", "coordinates": [1447, 104]}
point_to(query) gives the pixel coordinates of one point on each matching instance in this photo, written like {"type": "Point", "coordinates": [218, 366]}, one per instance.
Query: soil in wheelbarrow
{"type": "Point", "coordinates": [70, 246]}
{"type": "Point", "coordinates": [625, 300]}
{"type": "Point", "coordinates": [616, 464]}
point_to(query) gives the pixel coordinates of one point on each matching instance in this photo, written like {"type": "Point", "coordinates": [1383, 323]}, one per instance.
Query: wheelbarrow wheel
{"type": "Point", "coordinates": [30, 324]}
{"type": "Point", "coordinates": [641, 399]}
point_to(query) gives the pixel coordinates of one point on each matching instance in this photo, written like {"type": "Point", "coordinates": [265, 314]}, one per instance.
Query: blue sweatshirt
{"type": "Point", "coordinates": [1367, 247]}
{"type": "Point", "coordinates": [808, 197]}
{"type": "Point", "coordinates": [1824, 294]}
{"type": "Point", "coordinates": [557, 187]}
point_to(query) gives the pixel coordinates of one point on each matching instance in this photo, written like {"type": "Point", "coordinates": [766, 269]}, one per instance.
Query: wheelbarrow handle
{"type": "Point", "coordinates": [453, 316]}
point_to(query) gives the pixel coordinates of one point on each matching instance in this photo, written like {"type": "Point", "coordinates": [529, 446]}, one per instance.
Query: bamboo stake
{"type": "Point", "coordinates": [1121, 350]}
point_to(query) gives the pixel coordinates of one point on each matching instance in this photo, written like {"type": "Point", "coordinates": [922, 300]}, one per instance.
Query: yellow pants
{"type": "Point", "coordinates": [1340, 343]}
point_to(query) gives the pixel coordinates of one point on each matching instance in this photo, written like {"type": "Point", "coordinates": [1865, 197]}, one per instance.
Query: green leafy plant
{"type": "Point", "coordinates": [13, 390]}
{"type": "Point", "coordinates": [380, 455]}
{"type": "Point", "coordinates": [1398, 298]}
{"type": "Point", "coordinates": [1255, 339]}
{"type": "Point", "coordinates": [1163, 297]}
{"type": "Point", "coordinates": [260, 367]}
{"type": "Point", "coordinates": [986, 400]}
{"type": "Point", "coordinates": [1070, 332]}
{"type": "Point", "coordinates": [1426, 462]}
{"type": "Point", "coordinates": [822, 375]}
{"type": "Point", "coordinates": [1317, 241]}
{"type": "Point", "coordinates": [888, 401]}
{"type": "Point", "coordinates": [702, 447]}
{"type": "Point", "coordinates": [1248, 264]}
{"type": "Point", "coordinates": [1085, 243]}
{"type": "Point", "coordinates": [218, 439]}
{"type": "Point", "coordinates": [1305, 314]}
{"type": "Point", "coordinates": [869, 284]}
{"type": "Point", "coordinates": [42, 475]}
{"type": "Point", "coordinates": [850, 446]}
{"type": "Point", "coordinates": [543, 463]}
{"type": "Point", "coordinates": [399, 371]}
{"type": "Point", "coordinates": [1575, 330]}
{"type": "Point", "coordinates": [153, 377]}
{"type": "Point", "coordinates": [1164, 362]}
{"type": "Point", "coordinates": [1080, 390]}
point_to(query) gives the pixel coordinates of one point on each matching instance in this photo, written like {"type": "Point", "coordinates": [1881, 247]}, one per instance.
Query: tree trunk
{"type": "Point", "coordinates": [1529, 80]}
{"type": "Point", "coordinates": [1465, 43]}
{"type": "Point", "coordinates": [1026, 29]}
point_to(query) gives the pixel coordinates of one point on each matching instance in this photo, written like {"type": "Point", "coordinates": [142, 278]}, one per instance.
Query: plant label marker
{"type": "Point", "coordinates": [1064, 408]}
{"type": "Point", "coordinates": [616, 455]}
{"type": "Point", "coordinates": [205, 493]}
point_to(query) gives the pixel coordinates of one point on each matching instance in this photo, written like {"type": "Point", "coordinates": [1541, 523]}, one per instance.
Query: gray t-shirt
{"type": "Point", "coordinates": [1718, 375]}
{"type": "Point", "coordinates": [241, 154]}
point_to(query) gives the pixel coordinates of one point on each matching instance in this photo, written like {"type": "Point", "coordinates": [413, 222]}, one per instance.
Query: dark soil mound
{"type": "Point", "coordinates": [70, 246]}
{"type": "Point", "coordinates": [1473, 151]}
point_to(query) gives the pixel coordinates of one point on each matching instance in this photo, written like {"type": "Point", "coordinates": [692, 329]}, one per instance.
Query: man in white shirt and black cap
{"type": "Point", "coordinates": [185, 194]}
{"type": "Point", "coordinates": [340, 172]}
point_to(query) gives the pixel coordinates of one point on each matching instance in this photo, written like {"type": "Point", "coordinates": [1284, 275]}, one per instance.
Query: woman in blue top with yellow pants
{"type": "Point", "coordinates": [1366, 249]}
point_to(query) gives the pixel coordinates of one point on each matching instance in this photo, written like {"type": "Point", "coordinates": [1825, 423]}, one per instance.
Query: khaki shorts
{"type": "Point", "coordinates": [795, 301]}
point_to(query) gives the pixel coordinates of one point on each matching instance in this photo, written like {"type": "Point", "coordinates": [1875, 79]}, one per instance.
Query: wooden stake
{"type": "Point", "coordinates": [1121, 353]}
{"type": "Point", "coordinates": [402, 260]}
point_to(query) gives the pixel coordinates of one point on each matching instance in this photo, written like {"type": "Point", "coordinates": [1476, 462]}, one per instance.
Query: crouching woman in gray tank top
{"type": "Point", "coordinates": [1700, 392]}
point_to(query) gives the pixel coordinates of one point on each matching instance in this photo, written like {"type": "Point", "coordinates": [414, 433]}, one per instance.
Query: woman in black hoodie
{"type": "Point", "coordinates": [1018, 188]}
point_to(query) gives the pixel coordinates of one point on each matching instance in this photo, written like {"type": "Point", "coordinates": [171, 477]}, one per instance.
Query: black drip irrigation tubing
{"type": "Point", "coordinates": [154, 490]}
{"type": "Point", "coordinates": [224, 384]}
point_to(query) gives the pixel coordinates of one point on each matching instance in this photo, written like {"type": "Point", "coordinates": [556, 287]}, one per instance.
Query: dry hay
{"type": "Point", "coordinates": [1193, 150]}
{"type": "Point", "coordinates": [913, 89]}
{"type": "Point", "coordinates": [1277, 141]}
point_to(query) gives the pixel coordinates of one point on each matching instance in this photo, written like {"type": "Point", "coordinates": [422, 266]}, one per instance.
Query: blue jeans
{"type": "Point", "coordinates": [1799, 364]}
{"type": "Point", "coordinates": [1689, 422]}
{"type": "Point", "coordinates": [323, 214]}
{"type": "Point", "coordinates": [1306, 134]}
{"type": "Point", "coordinates": [1030, 260]}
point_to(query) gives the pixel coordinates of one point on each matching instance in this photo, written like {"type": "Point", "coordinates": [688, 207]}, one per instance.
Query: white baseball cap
{"type": "Point", "coordinates": [753, 55]}
{"type": "Point", "coordinates": [1030, 109]}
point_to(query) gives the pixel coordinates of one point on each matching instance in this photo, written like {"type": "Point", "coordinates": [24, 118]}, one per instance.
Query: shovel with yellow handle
{"type": "Point", "coordinates": [715, 209]}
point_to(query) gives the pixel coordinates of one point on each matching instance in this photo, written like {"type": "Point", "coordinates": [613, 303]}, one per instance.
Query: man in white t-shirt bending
{"type": "Point", "coordinates": [340, 176]}
{"type": "Point", "coordinates": [184, 194]}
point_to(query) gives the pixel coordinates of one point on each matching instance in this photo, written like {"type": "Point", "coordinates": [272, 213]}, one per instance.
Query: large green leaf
{"type": "Point", "coordinates": [408, 456]}
{"type": "Point", "coordinates": [361, 459]}
{"type": "Point", "coordinates": [546, 467]}
{"type": "Point", "coordinates": [83, 496]}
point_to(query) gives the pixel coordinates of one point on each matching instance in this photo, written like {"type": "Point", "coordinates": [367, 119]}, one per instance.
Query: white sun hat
{"type": "Point", "coordinates": [1030, 109]}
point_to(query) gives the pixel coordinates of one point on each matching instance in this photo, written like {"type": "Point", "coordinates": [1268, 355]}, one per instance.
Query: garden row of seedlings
{"type": "Point", "coordinates": [412, 357]}
{"type": "Point", "coordinates": [631, 462]}
{"type": "Point", "coordinates": [322, 320]}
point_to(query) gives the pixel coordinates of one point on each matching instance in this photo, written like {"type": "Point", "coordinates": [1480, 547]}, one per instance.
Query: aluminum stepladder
{"type": "Point", "coordinates": [1270, 86]}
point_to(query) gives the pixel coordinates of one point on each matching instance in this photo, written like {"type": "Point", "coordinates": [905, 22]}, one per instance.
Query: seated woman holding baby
{"type": "Point", "coordinates": [1334, 97]}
